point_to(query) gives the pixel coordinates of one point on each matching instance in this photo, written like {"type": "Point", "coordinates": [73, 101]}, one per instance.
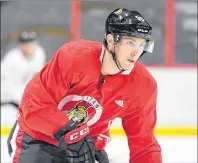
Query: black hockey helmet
{"type": "Point", "coordinates": [27, 36]}
{"type": "Point", "coordinates": [124, 22]}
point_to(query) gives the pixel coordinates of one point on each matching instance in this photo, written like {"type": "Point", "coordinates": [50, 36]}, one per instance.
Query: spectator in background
{"type": "Point", "coordinates": [19, 65]}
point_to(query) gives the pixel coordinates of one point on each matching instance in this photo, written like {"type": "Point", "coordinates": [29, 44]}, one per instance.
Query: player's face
{"type": "Point", "coordinates": [129, 50]}
{"type": "Point", "coordinates": [28, 49]}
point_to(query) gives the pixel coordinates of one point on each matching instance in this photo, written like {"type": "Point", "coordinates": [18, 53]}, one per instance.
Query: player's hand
{"type": "Point", "coordinates": [102, 157]}
{"type": "Point", "coordinates": [75, 130]}
{"type": "Point", "coordinates": [81, 152]}
{"type": "Point", "coordinates": [73, 138]}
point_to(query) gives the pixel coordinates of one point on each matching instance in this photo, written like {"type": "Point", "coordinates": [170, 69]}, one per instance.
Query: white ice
{"type": "Point", "coordinates": [174, 150]}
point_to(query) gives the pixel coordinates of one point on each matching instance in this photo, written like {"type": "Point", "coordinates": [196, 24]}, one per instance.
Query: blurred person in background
{"type": "Point", "coordinates": [68, 107]}
{"type": "Point", "coordinates": [19, 65]}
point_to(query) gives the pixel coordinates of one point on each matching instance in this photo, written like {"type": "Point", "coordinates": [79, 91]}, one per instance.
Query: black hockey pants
{"type": "Point", "coordinates": [25, 149]}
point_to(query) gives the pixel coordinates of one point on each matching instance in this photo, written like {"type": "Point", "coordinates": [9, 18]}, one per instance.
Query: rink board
{"type": "Point", "coordinates": [163, 131]}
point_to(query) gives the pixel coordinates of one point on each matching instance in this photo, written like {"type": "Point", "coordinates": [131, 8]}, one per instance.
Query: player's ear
{"type": "Point", "coordinates": [110, 41]}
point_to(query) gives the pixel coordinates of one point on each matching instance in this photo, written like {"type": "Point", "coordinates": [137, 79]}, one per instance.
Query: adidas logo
{"type": "Point", "coordinates": [120, 103]}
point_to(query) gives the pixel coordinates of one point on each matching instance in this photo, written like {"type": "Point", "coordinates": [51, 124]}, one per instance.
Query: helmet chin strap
{"type": "Point", "coordinates": [114, 58]}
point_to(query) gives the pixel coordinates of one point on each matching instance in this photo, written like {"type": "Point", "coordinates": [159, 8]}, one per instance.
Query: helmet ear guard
{"type": "Point", "coordinates": [117, 38]}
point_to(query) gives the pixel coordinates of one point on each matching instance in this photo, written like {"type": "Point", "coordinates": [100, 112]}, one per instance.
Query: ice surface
{"type": "Point", "coordinates": [174, 150]}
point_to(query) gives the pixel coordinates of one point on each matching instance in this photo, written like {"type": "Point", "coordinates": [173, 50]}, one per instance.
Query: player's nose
{"type": "Point", "coordinates": [134, 53]}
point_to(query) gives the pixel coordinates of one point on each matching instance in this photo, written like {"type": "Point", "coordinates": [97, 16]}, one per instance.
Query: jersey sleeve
{"type": "Point", "coordinates": [103, 138]}
{"type": "Point", "coordinates": [140, 134]}
{"type": "Point", "coordinates": [43, 93]}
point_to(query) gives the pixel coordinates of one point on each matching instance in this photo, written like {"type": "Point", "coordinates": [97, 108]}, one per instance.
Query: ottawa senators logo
{"type": "Point", "coordinates": [78, 114]}
{"type": "Point", "coordinates": [85, 107]}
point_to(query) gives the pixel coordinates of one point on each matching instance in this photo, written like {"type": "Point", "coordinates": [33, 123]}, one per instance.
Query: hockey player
{"type": "Point", "coordinates": [68, 107]}
{"type": "Point", "coordinates": [19, 65]}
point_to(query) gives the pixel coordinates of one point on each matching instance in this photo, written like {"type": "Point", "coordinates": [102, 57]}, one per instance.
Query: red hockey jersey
{"type": "Point", "coordinates": [73, 77]}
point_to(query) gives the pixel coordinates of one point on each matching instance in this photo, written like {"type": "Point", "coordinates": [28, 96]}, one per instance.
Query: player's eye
{"type": "Point", "coordinates": [130, 43]}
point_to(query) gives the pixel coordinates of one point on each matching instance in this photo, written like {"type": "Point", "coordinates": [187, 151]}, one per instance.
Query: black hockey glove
{"type": "Point", "coordinates": [102, 157]}
{"type": "Point", "coordinates": [73, 138]}
{"type": "Point", "coordinates": [81, 152]}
